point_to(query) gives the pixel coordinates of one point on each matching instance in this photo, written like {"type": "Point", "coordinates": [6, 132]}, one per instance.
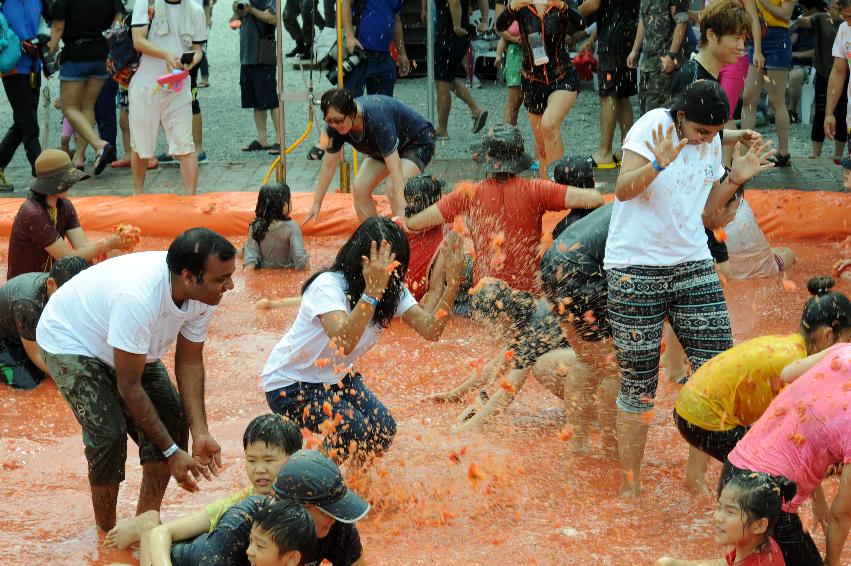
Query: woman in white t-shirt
{"type": "Point", "coordinates": [310, 376]}
{"type": "Point", "coordinates": [657, 261]}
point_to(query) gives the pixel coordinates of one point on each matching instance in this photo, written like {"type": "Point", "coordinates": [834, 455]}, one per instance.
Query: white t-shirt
{"type": "Point", "coordinates": [663, 226]}
{"type": "Point", "coordinates": [151, 68]}
{"type": "Point", "coordinates": [305, 352]}
{"type": "Point", "coordinates": [749, 250]}
{"type": "Point", "coordinates": [124, 303]}
{"type": "Point", "coordinates": [842, 49]}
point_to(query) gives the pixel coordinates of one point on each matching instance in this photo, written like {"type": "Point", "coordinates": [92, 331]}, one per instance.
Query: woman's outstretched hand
{"type": "Point", "coordinates": [753, 162]}
{"type": "Point", "coordinates": [664, 149]}
{"type": "Point", "coordinates": [378, 267]}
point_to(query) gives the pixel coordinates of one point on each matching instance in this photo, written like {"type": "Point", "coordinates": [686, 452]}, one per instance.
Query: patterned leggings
{"type": "Point", "coordinates": [640, 299]}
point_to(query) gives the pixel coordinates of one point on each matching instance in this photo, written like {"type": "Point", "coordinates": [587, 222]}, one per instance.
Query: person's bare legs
{"type": "Point", "coordinates": [155, 478]}
{"type": "Point", "coordinates": [189, 172]}
{"type": "Point", "coordinates": [777, 98]}
{"type": "Point", "coordinates": [569, 379]}
{"type": "Point", "coordinates": [275, 112]}
{"type": "Point", "coordinates": [139, 167]}
{"type": "Point", "coordinates": [444, 105]}
{"type": "Point", "coordinates": [461, 91]}
{"type": "Point", "coordinates": [260, 125]}
{"type": "Point", "coordinates": [129, 531]}
{"type": "Point", "coordinates": [78, 103]}
{"type": "Point", "coordinates": [786, 255]}
{"type": "Point", "coordinates": [370, 174]}
{"type": "Point", "coordinates": [607, 414]}
{"type": "Point", "coordinates": [625, 116]}
{"type": "Point", "coordinates": [198, 133]}
{"type": "Point", "coordinates": [124, 122]}
{"type": "Point", "coordinates": [540, 144]}
{"type": "Point", "coordinates": [559, 104]}
{"type": "Point", "coordinates": [696, 472]}
{"type": "Point", "coordinates": [795, 83]}
{"type": "Point", "coordinates": [104, 501]}
{"type": "Point", "coordinates": [675, 356]}
{"type": "Point", "coordinates": [608, 120]}
{"type": "Point", "coordinates": [750, 97]}
{"type": "Point", "coordinates": [632, 439]}
{"type": "Point", "coordinates": [512, 105]}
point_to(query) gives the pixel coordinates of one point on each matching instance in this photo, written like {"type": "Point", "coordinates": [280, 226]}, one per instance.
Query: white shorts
{"type": "Point", "coordinates": [148, 110]}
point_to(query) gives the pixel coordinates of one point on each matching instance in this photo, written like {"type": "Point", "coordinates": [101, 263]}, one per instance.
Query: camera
{"type": "Point", "coordinates": [240, 5]}
{"type": "Point", "coordinates": [37, 47]}
{"type": "Point", "coordinates": [349, 63]}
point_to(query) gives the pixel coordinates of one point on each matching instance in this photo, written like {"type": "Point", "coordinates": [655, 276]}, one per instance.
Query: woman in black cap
{"type": "Point", "coordinates": [47, 218]}
{"type": "Point", "coordinates": [657, 262]}
{"type": "Point", "coordinates": [549, 80]}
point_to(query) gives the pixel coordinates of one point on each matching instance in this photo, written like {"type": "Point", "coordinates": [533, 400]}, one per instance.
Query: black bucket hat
{"type": "Point", "coordinates": [311, 477]}
{"type": "Point", "coordinates": [54, 173]}
{"type": "Point", "coordinates": [422, 191]}
{"type": "Point", "coordinates": [572, 170]}
{"type": "Point", "coordinates": [502, 150]}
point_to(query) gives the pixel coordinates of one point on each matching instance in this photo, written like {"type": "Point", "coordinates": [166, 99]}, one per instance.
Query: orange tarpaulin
{"type": "Point", "coordinates": [782, 214]}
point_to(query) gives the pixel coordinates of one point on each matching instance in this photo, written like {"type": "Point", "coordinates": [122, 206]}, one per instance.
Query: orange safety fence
{"type": "Point", "coordinates": [782, 214]}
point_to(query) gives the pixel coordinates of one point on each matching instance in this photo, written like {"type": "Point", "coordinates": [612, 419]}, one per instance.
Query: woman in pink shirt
{"type": "Point", "coordinates": [805, 435]}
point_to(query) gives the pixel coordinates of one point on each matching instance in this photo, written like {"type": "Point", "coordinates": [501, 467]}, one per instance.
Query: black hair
{"type": "Point", "coordinates": [191, 250]}
{"type": "Point", "coordinates": [270, 204]}
{"type": "Point", "coordinates": [739, 193]}
{"type": "Point", "coordinates": [42, 200]}
{"type": "Point", "coordinates": [275, 431]}
{"type": "Point", "coordinates": [421, 191]}
{"type": "Point", "coordinates": [288, 524]}
{"type": "Point", "coordinates": [339, 98]}
{"type": "Point", "coordinates": [760, 496]}
{"type": "Point", "coordinates": [844, 3]}
{"type": "Point", "coordinates": [348, 263]}
{"type": "Point", "coordinates": [496, 297]}
{"type": "Point", "coordinates": [703, 102]}
{"type": "Point", "coordinates": [825, 308]}
{"type": "Point", "coordinates": [64, 268]}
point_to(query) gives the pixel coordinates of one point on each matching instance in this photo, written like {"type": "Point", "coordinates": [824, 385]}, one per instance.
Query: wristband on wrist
{"type": "Point", "coordinates": [657, 167]}
{"type": "Point", "coordinates": [367, 298]}
{"type": "Point", "coordinates": [171, 451]}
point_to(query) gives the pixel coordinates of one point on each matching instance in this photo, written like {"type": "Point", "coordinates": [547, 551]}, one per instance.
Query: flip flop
{"type": "Point", "coordinates": [479, 121]}
{"type": "Point", "coordinates": [103, 158]}
{"type": "Point", "coordinates": [274, 149]}
{"type": "Point", "coordinates": [315, 153]}
{"type": "Point", "coordinates": [256, 146]}
{"type": "Point", "coordinates": [616, 160]}
{"type": "Point", "coordinates": [595, 165]}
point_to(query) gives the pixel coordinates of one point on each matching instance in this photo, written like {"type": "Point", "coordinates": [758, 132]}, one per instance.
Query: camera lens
{"type": "Point", "coordinates": [240, 6]}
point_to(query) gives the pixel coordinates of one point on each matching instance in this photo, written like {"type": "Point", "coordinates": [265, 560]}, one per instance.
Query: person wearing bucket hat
{"type": "Point", "coordinates": [47, 218]}
{"type": "Point", "coordinates": [504, 212]}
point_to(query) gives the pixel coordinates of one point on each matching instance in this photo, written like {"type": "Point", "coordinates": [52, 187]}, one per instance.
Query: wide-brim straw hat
{"type": "Point", "coordinates": [54, 173]}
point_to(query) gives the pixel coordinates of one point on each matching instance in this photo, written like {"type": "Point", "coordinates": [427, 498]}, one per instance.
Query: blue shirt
{"type": "Point", "coordinates": [24, 17]}
{"type": "Point", "coordinates": [375, 29]}
{"type": "Point", "coordinates": [388, 126]}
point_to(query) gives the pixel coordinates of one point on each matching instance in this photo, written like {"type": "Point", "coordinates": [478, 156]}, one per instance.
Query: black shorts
{"type": "Point", "coordinates": [193, 82]}
{"type": "Point", "coordinates": [16, 368]}
{"type": "Point", "coordinates": [716, 248]}
{"type": "Point", "coordinates": [89, 387]}
{"type": "Point", "coordinates": [258, 86]}
{"type": "Point", "coordinates": [579, 296]}
{"type": "Point", "coordinates": [536, 94]}
{"type": "Point", "coordinates": [420, 150]}
{"type": "Point", "coordinates": [449, 53]}
{"type": "Point", "coordinates": [617, 83]}
{"type": "Point", "coordinates": [797, 546]}
{"type": "Point", "coordinates": [715, 443]}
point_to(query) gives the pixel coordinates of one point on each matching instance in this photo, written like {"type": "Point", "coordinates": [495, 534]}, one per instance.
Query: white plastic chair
{"type": "Point", "coordinates": [483, 48]}
{"type": "Point", "coordinates": [808, 94]}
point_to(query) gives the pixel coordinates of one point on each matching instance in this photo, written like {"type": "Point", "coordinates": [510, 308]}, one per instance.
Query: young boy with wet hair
{"type": "Point", "coordinates": [281, 534]}
{"type": "Point", "coordinates": [268, 441]}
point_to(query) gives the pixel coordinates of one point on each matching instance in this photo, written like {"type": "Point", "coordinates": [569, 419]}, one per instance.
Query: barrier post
{"type": "Point", "coordinates": [345, 186]}
{"type": "Point", "coordinates": [281, 169]}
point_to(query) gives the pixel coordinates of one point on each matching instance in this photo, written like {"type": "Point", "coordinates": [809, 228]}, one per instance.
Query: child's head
{"type": "Point", "coordinates": [749, 506]}
{"type": "Point", "coordinates": [826, 319]}
{"type": "Point", "coordinates": [273, 203]}
{"type": "Point", "coordinates": [572, 170]}
{"type": "Point", "coordinates": [268, 441]}
{"type": "Point", "coordinates": [421, 191]}
{"type": "Point", "coordinates": [281, 533]}
{"type": "Point", "coordinates": [493, 300]}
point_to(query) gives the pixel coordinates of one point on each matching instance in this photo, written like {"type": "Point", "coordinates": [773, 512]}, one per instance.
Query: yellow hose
{"type": "Point", "coordinates": [289, 150]}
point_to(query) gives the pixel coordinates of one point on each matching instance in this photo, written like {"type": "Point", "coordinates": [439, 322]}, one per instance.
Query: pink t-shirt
{"type": "Point", "coordinates": [770, 555]}
{"type": "Point", "coordinates": [805, 430]}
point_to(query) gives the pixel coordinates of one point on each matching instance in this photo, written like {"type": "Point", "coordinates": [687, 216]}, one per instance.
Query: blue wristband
{"type": "Point", "coordinates": [657, 167]}
{"type": "Point", "coordinates": [170, 451]}
{"type": "Point", "coordinates": [369, 299]}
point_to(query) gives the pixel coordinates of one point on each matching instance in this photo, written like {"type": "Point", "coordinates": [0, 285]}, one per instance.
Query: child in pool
{"type": "Point", "coordinates": [748, 508]}
{"type": "Point", "coordinates": [274, 240]}
{"type": "Point", "coordinates": [268, 441]}
{"type": "Point", "coordinates": [536, 343]}
{"type": "Point", "coordinates": [281, 533]}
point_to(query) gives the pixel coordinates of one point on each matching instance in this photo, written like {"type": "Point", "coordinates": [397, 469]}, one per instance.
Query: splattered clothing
{"type": "Point", "coordinates": [282, 247]}
{"type": "Point", "coordinates": [768, 555]}
{"type": "Point", "coordinates": [35, 228]}
{"type": "Point", "coordinates": [21, 301]}
{"type": "Point", "coordinates": [805, 430]}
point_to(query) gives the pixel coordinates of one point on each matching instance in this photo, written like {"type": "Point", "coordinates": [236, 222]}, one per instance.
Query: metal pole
{"type": "Point", "coordinates": [430, 93]}
{"type": "Point", "coordinates": [345, 186]}
{"type": "Point", "coordinates": [281, 172]}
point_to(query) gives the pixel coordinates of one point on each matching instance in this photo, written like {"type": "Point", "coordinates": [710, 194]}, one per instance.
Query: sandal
{"type": "Point", "coordinates": [275, 149]}
{"type": "Point", "coordinates": [596, 165]}
{"type": "Point", "coordinates": [256, 146]}
{"type": "Point", "coordinates": [782, 160]}
{"type": "Point", "coordinates": [315, 153]}
{"type": "Point", "coordinates": [103, 158]}
{"type": "Point", "coordinates": [479, 121]}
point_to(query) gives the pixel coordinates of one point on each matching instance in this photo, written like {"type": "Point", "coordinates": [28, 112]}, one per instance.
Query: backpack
{"type": "Point", "coordinates": [10, 46]}
{"type": "Point", "coordinates": [123, 59]}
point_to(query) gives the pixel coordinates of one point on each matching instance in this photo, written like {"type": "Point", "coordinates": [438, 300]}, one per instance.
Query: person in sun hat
{"type": "Point", "coordinates": [504, 211]}
{"type": "Point", "coordinates": [46, 226]}
{"type": "Point", "coordinates": [308, 478]}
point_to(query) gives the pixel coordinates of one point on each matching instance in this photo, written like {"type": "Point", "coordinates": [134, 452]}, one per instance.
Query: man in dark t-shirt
{"type": "Point", "coordinates": [21, 301]}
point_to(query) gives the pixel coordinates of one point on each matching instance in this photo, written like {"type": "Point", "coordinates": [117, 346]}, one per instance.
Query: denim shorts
{"type": "Point", "coordinates": [776, 48]}
{"type": "Point", "coordinates": [82, 70]}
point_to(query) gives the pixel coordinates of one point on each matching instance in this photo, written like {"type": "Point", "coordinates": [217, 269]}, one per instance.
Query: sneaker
{"type": "Point", "coordinates": [295, 52]}
{"type": "Point", "coordinates": [166, 159]}
{"type": "Point", "coordinates": [202, 158]}
{"type": "Point", "coordinates": [306, 55]}
{"type": "Point", "coordinates": [5, 186]}
{"type": "Point", "coordinates": [781, 160]}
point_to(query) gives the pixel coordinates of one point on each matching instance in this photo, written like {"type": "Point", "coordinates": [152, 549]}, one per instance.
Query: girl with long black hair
{"type": "Point", "coordinates": [274, 240]}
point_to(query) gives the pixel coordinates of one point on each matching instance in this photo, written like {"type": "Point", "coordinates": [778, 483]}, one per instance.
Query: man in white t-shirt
{"type": "Point", "coordinates": [102, 337]}
{"type": "Point", "coordinates": [839, 73]}
{"type": "Point", "coordinates": [175, 28]}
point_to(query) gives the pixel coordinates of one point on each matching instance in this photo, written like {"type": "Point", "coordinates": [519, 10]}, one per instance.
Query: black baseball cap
{"type": "Point", "coordinates": [311, 477]}
{"type": "Point", "coordinates": [572, 170]}
{"type": "Point", "coordinates": [846, 162]}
